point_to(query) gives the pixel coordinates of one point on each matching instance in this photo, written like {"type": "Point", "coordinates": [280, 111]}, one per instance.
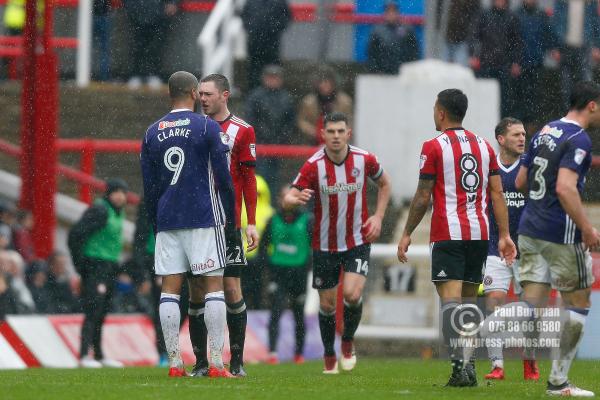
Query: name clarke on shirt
{"type": "Point", "coordinates": [177, 132]}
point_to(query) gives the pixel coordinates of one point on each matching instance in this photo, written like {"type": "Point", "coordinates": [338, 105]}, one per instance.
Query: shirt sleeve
{"type": "Point", "coordinates": [428, 162]}
{"type": "Point", "coordinates": [528, 156]}
{"type": "Point", "coordinates": [374, 170]}
{"type": "Point", "coordinates": [306, 178]}
{"type": "Point", "coordinates": [577, 154]}
{"type": "Point", "coordinates": [247, 147]}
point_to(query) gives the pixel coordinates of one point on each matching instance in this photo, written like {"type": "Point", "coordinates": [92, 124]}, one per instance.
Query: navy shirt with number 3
{"type": "Point", "coordinates": [560, 144]}
{"type": "Point", "coordinates": [183, 161]}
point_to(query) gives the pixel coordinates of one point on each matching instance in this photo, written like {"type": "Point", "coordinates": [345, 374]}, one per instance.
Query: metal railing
{"type": "Point", "coordinates": [220, 37]}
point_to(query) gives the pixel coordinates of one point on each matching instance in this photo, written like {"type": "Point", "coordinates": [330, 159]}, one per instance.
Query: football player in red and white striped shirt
{"type": "Point", "coordinates": [239, 136]}
{"type": "Point", "coordinates": [336, 176]}
{"type": "Point", "coordinates": [459, 169]}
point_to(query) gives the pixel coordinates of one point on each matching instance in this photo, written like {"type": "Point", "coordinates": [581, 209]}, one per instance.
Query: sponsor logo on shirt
{"type": "Point", "coordinates": [252, 149]}
{"type": "Point", "coordinates": [422, 161]}
{"type": "Point", "coordinates": [206, 266]}
{"type": "Point", "coordinates": [579, 156]}
{"type": "Point", "coordinates": [514, 199]}
{"type": "Point", "coordinates": [552, 131]}
{"type": "Point", "coordinates": [341, 187]}
{"type": "Point", "coordinates": [173, 124]}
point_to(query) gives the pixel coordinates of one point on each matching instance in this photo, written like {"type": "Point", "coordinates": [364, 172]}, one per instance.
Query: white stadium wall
{"type": "Point", "coordinates": [394, 114]}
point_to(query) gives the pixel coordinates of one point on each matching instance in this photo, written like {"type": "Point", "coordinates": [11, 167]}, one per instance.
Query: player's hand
{"type": "Point", "coordinates": [555, 54]}
{"type": "Point", "coordinates": [170, 9]}
{"type": "Point", "coordinates": [595, 55]}
{"type": "Point", "coordinates": [475, 63]}
{"type": "Point", "coordinates": [373, 227]}
{"type": "Point", "coordinates": [403, 248]}
{"type": "Point", "coordinates": [252, 237]}
{"type": "Point", "coordinates": [304, 197]}
{"type": "Point", "coordinates": [507, 249]}
{"type": "Point", "coordinates": [515, 70]}
{"type": "Point", "coordinates": [591, 239]}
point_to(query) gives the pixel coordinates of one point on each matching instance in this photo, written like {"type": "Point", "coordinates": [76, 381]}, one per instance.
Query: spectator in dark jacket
{"type": "Point", "coordinates": [462, 17]}
{"type": "Point", "coordinates": [101, 10]}
{"type": "Point", "coordinates": [577, 26]}
{"type": "Point", "coordinates": [264, 21]}
{"type": "Point", "coordinates": [8, 299]}
{"type": "Point", "coordinates": [37, 278]}
{"type": "Point", "coordinates": [391, 44]}
{"type": "Point", "coordinates": [148, 22]}
{"type": "Point", "coordinates": [270, 109]}
{"type": "Point", "coordinates": [538, 39]}
{"type": "Point", "coordinates": [497, 48]}
{"type": "Point", "coordinates": [62, 299]}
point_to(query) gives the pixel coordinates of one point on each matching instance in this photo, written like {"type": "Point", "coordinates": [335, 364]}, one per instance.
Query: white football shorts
{"type": "Point", "coordinates": [497, 275]}
{"type": "Point", "coordinates": [200, 251]}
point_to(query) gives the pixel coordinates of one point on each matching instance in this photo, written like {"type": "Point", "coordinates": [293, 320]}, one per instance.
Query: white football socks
{"type": "Point", "coordinates": [170, 318]}
{"type": "Point", "coordinates": [215, 317]}
{"type": "Point", "coordinates": [569, 342]}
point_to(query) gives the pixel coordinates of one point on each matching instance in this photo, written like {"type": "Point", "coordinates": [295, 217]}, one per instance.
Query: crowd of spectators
{"type": "Point", "coordinates": [29, 284]}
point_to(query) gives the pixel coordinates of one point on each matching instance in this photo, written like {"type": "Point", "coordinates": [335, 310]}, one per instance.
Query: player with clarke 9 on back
{"type": "Point", "coordinates": [183, 160]}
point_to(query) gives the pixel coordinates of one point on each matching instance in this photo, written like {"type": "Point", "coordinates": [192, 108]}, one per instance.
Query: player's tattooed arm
{"type": "Point", "coordinates": [419, 205]}
{"type": "Point", "coordinates": [418, 208]}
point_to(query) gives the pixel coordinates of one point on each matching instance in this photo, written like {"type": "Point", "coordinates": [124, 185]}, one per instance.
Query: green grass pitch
{"type": "Point", "coordinates": [371, 379]}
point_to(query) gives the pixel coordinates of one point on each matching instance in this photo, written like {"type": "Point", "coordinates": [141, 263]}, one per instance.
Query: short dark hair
{"type": "Point", "coordinates": [335, 116]}
{"type": "Point", "coordinates": [455, 102]}
{"type": "Point", "coordinates": [220, 81]}
{"type": "Point", "coordinates": [583, 92]}
{"type": "Point", "coordinates": [181, 83]}
{"type": "Point", "coordinates": [505, 123]}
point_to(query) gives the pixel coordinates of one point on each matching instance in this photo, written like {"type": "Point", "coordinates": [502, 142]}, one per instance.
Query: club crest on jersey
{"type": "Point", "coordinates": [224, 138]}
{"type": "Point", "coordinates": [422, 161]}
{"type": "Point", "coordinates": [252, 149]}
{"type": "Point", "coordinates": [579, 156]}
{"type": "Point", "coordinates": [355, 172]}
{"type": "Point", "coordinates": [173, 124]}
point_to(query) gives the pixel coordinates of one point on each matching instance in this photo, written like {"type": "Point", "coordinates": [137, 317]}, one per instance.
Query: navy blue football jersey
{"type": "Point", "coordinates": [560, 144]}
{"type": "Point", "coordinates": [515, 201]}
{"type": "Point", "coordinates": [185, 173]}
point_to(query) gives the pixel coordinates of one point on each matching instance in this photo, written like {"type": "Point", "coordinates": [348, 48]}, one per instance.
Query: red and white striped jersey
{"type": "Point", "coordinates": [239, 136]}
{"type": "Point", "coordinates": [461, 164]}
{"type": "Point", "coordinates": [340, 197]}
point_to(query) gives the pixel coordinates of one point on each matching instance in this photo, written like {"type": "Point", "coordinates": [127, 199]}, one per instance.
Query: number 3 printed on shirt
{"type": "Point", "coordinates": [177, 165]}
{"type": "Point", "coordinates": [540, 165]}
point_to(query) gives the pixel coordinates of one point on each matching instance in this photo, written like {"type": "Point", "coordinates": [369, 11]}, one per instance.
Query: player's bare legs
{"type": "Point", "coordinates": [170, 318]}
